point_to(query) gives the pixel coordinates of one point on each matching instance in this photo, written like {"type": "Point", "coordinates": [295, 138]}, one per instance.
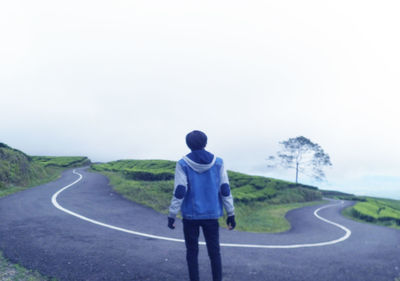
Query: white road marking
{"type": "Point", "coordinates": [345, 229]}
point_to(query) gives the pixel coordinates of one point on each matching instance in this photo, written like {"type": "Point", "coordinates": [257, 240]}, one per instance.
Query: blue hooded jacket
{"type": "Point", "coordinates": [201, 187]}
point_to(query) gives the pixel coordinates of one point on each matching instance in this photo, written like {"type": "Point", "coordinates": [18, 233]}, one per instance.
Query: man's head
{"type": "Point", "coordinates": [196, 140]}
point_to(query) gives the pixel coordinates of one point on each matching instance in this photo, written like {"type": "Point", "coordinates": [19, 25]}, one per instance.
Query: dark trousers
{"type": "Point", "coordinates": [191, 230]}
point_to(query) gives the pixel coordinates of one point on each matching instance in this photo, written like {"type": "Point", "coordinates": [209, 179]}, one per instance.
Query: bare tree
{"type": "Point", "coordinates": [302, 155]}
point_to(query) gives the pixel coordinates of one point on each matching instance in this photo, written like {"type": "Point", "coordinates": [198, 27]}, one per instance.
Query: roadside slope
{"type": "Point", "coordinates": [19, 171]}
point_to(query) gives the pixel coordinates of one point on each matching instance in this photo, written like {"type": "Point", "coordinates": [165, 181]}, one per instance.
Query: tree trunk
{"type": "Point", "coordinates": [297, 172]}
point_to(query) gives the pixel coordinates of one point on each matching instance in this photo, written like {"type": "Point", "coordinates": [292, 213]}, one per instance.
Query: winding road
{"type": "Point", "coordinates": [77, 228]}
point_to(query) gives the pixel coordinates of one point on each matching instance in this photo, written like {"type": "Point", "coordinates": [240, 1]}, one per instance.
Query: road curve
{"type": "Point", "coordinates": [289, 246]}
{"type": "Point", "coordinates": [37, 235]}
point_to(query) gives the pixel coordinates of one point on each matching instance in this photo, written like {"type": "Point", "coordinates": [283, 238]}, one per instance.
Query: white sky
{"type": "Point", "coordinates": [129, 79]}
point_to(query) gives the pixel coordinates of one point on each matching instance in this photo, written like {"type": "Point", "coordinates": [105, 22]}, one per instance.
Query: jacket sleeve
{"type": "Point", "coordinates": [225, 191]}
{"type": "Point", "coordinates": [180, 188]}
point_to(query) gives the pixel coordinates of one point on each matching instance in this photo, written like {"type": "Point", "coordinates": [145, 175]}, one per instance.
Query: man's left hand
{"type": "Point", "coordinates": [171, 223]}
{"type": "Point", "coordinates": [230, 221]}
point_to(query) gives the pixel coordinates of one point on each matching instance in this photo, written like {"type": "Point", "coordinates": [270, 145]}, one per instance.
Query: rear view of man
{"type": "Point", "coordinates": [200, 193]}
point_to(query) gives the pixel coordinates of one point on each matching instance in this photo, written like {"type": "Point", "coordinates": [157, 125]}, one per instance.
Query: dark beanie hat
{"type": "Point", "coordinates": [196, 140]}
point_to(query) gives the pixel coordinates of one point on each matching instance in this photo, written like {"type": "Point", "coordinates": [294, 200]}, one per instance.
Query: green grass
{"type": "Point", "coordinates": [378, 211]}
{"type": "Point", "coordinates": [147, 170]}
{"type": "Point", "coordinates": [145, 165]}
{"type": "Point", "coordinates": [155, 194]}
{"type": "Point", "coordinates": [260, 203]}
{"type": "Point", "coordinates": [261, 217]}
{"type": "Point", "coordinates": [15, 272]}
{"type": "Point", "coordinates": [61, 161]}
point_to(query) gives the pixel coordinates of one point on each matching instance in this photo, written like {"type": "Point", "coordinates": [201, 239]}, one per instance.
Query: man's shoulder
{"type": "Point", "coordinates": [182, 162]}
{"type": "Point", "coordinates": [219, 162]}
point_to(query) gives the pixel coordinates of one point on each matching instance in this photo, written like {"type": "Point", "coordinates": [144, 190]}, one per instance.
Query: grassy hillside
{"type": "Point", "coordinates": [261, 203]}
{"type": "Point", "coordinates": [376, 210]}
{"type": "Point", "coordinates": [17, 168]}
{"type": "Point", "coordinates": [19, 171]}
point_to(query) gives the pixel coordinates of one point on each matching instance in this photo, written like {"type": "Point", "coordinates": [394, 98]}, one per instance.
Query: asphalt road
{"type": "Point", "coordinates": [37, 235]}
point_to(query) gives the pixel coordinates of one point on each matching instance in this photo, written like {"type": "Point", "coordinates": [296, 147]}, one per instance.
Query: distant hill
{"type": "Point", "coordinates": [261, 203]}
{"type": "Point", "coordinates": [245, 188]}
{"type": "Point", "coordinates": [17, 169]}
{"type": "Point", "coordinates": [341, 195]}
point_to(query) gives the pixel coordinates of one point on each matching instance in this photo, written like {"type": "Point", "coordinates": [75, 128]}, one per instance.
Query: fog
{"type": "Point", "coordinates": [122, 79]}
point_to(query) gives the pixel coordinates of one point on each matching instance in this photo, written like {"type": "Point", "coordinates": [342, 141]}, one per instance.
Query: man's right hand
{"type": "Point", "coordinates": [171, 223]}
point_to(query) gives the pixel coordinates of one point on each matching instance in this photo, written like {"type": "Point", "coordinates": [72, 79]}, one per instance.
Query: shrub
{"type": "Point", "coordinates": [249, 193]}
{"type": "Point", "coordinates": [133, 174]}
{"type": "Point", "coordinates": [61, 161]}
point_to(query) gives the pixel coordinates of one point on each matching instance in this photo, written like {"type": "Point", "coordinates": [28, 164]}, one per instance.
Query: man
{"type": "Point", "coordinates": [201, 190]}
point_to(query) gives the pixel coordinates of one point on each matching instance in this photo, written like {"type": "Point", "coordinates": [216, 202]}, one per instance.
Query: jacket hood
{"type": "Point", "coordinates": [199, 168]}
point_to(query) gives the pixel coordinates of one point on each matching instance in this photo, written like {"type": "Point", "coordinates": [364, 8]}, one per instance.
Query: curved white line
{"type": "Point", "coordinates": [346, 236]}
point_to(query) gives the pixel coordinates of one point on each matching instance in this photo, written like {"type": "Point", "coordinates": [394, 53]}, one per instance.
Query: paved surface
{"type": "Point", "coordinates": [39, 236]}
